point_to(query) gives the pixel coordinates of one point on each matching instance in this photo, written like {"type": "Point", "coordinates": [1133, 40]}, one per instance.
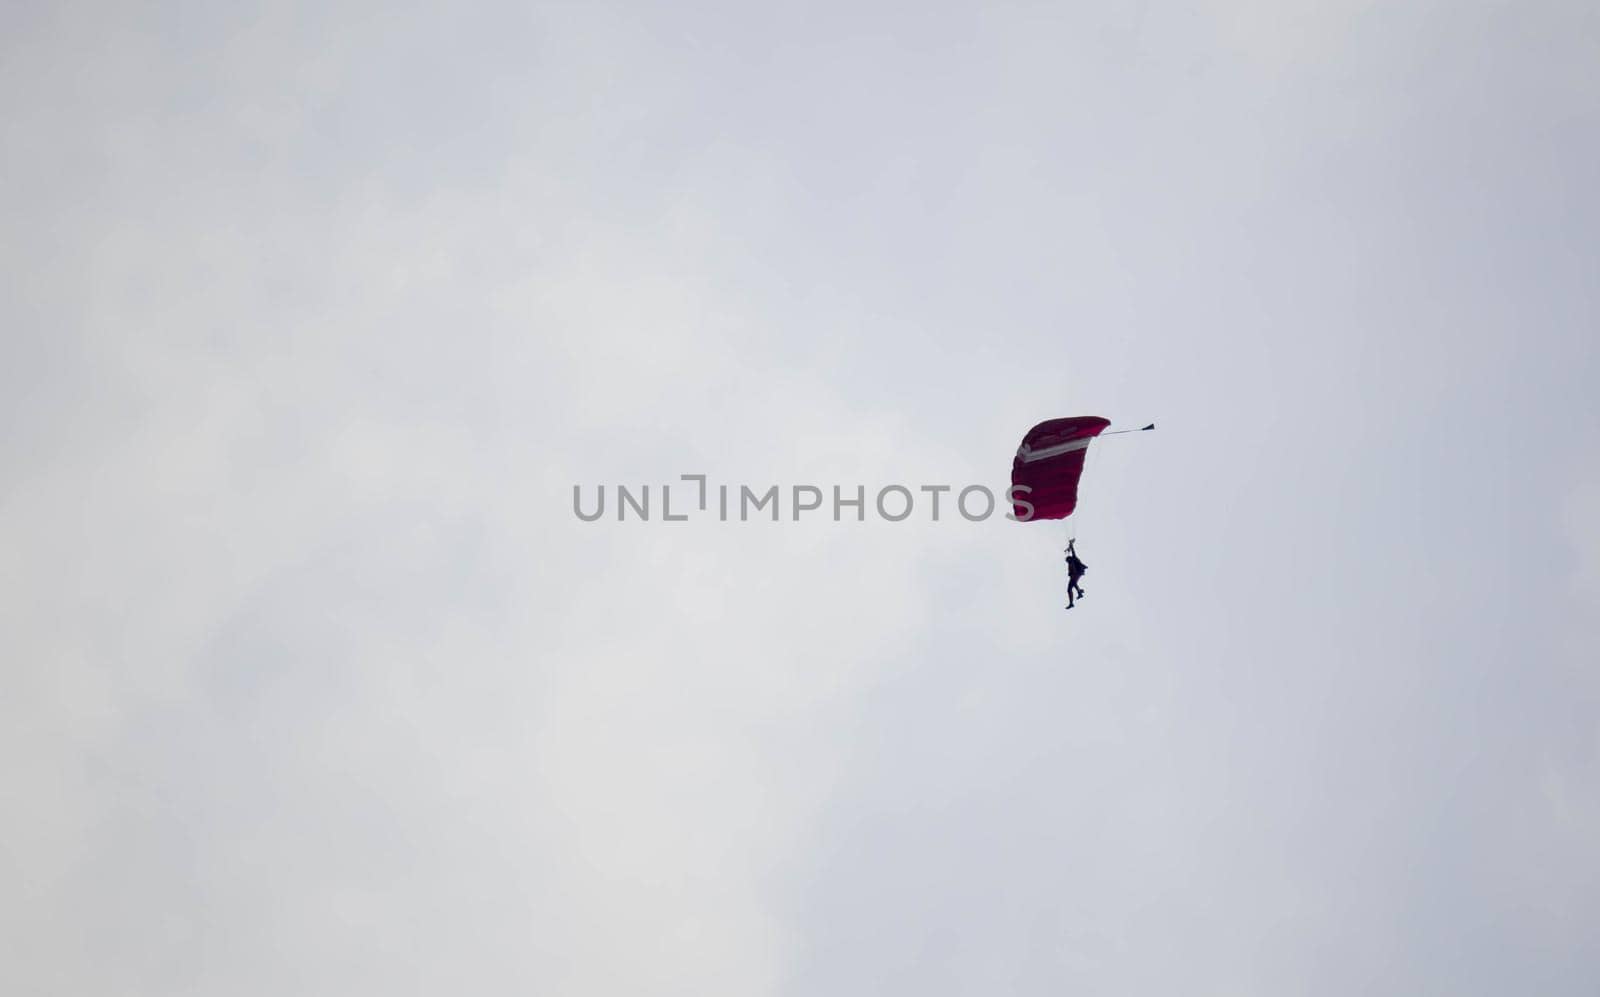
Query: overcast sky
{"type": "Point", "coordinates": [312, 315]}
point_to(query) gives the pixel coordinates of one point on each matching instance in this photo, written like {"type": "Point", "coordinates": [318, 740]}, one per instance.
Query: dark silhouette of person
{"type": "Point", "coordinates": [1075, 570]}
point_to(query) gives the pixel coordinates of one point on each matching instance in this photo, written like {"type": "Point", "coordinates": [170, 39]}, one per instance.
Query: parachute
{"type": "Point", "coordinates": [1045, 473]}
{"type": "Point", "coordinates": [1048, 465]}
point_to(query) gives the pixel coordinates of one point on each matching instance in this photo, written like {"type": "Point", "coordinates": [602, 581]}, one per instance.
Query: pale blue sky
{"type": "Point", "coordinates": [313, 315]}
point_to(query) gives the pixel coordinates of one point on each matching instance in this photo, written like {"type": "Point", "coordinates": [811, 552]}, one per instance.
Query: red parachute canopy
{"type": "Point", "coordinates": [1049, 462]}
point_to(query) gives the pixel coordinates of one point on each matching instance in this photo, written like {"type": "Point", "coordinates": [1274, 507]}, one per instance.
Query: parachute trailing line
{"type": "Point", "coordinates": [1119, 432]}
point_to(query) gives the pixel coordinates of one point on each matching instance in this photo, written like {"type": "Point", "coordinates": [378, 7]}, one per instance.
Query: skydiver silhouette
{"type": "Point", "coordinates": [1075, 570]}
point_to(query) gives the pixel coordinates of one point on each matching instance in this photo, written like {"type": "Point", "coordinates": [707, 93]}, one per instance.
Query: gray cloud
{"type": "Point", "coordinates": [314, 684]}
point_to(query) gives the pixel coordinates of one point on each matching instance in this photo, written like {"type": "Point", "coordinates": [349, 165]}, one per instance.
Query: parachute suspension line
{"type": "Point", "coordinates": [1090, 457]}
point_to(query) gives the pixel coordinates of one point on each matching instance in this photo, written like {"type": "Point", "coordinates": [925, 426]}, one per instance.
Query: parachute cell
{"type": "Point", "coordinates": [1049, 464]}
